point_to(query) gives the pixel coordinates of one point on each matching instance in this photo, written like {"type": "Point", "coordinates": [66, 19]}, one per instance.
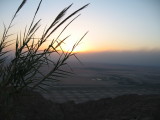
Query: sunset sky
{"type": "Point", "coordinates": [113, 25]}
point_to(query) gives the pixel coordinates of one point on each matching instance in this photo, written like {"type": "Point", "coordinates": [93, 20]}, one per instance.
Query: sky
{"type": "Point", "coordinates": [122, 28]}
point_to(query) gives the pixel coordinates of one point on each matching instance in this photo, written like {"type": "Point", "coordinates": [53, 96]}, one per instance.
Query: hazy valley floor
{"type": "Point", "coordinates": [81, 93]}
{"type": "Point", "coordinates": [96, 81]}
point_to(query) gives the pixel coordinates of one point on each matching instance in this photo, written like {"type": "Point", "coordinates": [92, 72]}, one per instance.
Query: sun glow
{"type": "Point", "coordinates": [68, 46]}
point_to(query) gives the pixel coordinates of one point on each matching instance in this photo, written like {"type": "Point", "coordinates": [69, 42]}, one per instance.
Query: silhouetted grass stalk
{"type": "Point", "coordinates": [22, 71]}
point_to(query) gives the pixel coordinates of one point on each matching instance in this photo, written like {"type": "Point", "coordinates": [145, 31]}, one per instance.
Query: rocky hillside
{"type": "Point", "coordinates": [126, 107]}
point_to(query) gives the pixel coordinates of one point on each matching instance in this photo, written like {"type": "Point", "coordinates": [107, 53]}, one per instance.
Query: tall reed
{"type": "Point", "coordinates": [24, 69]}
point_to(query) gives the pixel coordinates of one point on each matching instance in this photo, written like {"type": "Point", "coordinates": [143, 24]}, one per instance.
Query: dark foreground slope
{"type": "Point", "coordinates": [126, 107]}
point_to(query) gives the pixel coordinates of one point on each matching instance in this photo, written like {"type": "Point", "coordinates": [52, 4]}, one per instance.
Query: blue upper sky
{"type": "Point", "coordinates": [114, 25]}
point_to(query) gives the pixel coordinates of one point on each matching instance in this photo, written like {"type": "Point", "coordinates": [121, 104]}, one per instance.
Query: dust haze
{"type": "Point", "coordinates": [143, 58]}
